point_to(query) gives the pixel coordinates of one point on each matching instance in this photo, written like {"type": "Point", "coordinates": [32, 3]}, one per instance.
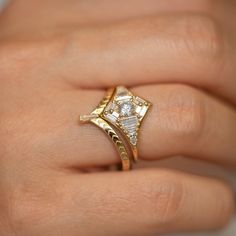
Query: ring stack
{"type": "Point", "coordinates": [119, 115]}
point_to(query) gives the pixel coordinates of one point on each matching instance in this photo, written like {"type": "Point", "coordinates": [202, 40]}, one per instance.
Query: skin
{"type": "Point", "coordinates": [57, 58]}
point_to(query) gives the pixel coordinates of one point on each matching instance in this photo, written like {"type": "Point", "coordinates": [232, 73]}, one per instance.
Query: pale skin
{"type": "Point", "coordinates": [56, 61]}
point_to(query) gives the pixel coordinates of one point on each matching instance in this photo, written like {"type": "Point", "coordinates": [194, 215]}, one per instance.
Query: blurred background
{"type": "Point", "coordinates": [2, 2]}
{"type": "Point", "coordinates": [194, 167]}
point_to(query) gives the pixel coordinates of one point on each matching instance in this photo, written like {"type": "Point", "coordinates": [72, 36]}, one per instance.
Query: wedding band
{"type": "Point", "coordinates": [125, 111]}
{"type": "Point", "coordinates": [95, 118]}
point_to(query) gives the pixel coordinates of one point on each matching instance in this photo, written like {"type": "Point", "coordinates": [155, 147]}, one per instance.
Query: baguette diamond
{"type": "Point", "coordinates": [130, 124]}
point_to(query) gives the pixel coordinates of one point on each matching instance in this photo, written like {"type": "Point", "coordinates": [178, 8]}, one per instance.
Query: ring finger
{"type": "Point", "coordinates": [182, 121]}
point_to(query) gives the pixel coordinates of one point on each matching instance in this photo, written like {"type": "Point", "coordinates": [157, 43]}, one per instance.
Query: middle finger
{"type": "Point", "coordinates": [182, 48]}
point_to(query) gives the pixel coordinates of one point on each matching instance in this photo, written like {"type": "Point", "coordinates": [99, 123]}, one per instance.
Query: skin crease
{"type": "Point", "coordinates": [56, 62]}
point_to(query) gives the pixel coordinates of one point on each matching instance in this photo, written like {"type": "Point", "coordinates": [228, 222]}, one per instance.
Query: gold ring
{"type": "Point", "coordinates": [125, 111]}
{"type": "Point", "coordinates": [95, 118]}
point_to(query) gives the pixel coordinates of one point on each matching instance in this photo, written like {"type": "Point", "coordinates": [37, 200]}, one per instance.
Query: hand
{"type": "Point", "coordinates": [56, 60]}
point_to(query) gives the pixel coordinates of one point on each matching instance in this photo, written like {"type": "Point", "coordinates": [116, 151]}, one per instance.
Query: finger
{"type": "Point", "coordinates": [72, 12]}
{"type": "Point", "coordinates": [144, 202]}
{"type": "Point", "coordinates": [179, 48]}
{"type": "Point", "coordinates": [182, 121]}
{"type": "Point", "coordinates": [184, 48]}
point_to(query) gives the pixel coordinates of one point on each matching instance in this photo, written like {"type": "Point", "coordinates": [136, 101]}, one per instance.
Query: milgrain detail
{"type": "Point", "coordinates": [116, 140]}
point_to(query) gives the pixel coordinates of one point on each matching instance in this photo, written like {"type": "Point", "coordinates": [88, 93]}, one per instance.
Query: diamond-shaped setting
{"type": "Point", "coordinates": [130, 124]}
{"type": "Point", "coordinates": [126, 111]}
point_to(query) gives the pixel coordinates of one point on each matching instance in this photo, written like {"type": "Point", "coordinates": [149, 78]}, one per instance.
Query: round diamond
{"type": "Point", "coordinates": [126, 109]}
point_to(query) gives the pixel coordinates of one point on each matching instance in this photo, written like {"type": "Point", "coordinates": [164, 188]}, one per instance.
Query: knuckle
{"type": "Point", "coordinates": [203, 36]}
{"type": "Point", "coordinates": [20, 212]}
{"type": "Point", "coordinates": [165, 199]}
{"type": "Point", "coordinates": [186, 112]}
{"type": "Point", "coordinates": [25, 208]}
{"type": "Point", "coordinates": [15, 58]}
{"type": "Point", "coordinates": [18, 59]}
{"type": "Point", "coordinates": [31, 206]}
{"type": "Point", "coordinates": [12, 138]}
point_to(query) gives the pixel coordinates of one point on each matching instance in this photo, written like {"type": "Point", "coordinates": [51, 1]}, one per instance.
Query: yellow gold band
{"type": "Point", "coordinates": [126, 164]}
{"type": "Point", "coordinates": [95, 118]}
